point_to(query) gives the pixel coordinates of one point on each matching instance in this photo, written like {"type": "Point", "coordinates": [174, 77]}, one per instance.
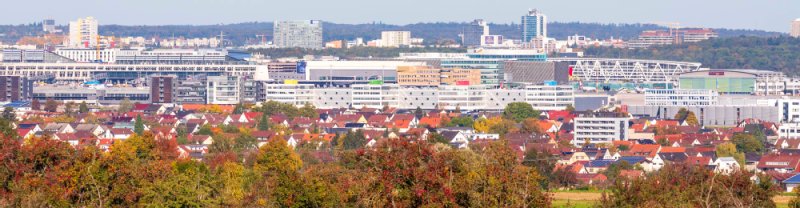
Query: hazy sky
{"type": "Point", "coordinates": [772, 15]}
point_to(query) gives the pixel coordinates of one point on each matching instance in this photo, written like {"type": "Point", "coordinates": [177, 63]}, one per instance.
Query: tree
{"type": "Point", "coordinates": [354, 140]}
{"type": "Point", "coordinates": [530, 126]}
{"type": "Point", "coordinates": [35, 105]}
{"type": "Point", "coordinates": [570, 108]}
{"type": "Point", "coordinates": [483, 125]}
{"type": "Point", "coordinates": [419, 113]}
{"type": "Point", "coordinates": [461, 121]}
{"type": "Point", "coordinates": [681, 115]}
{"type": "Point", "coordinates": [691, 119]}
{"type": "Point", "coordinates": [437, 138]}
{"type": "Point", "coordinates": [125, 105]}
{"type": "Point", "coordinates": [138, 125]}
{"type": "Point", "coordinates": [190, 184]}
{"type": "Point", "coordinates": [205, 130]}
{"type": "Point", "coordinates": [8, 114]}
{"type": "Point", "coordinates": [51, 106]}
{"type": "Point", "coordinates": [69, 108]}
{"type": "Point", "coordinates": [685, 185]}
{"type": "Point", "coordinates": [795, 201]}
{"type": "Point", "coordinates": [747, 143]}
{"type": "Point", "coordinates": [728, 149]}
{"type": "Point", "coordinates": [518, 111]}
{"type": "Point", "coordinates": [239, 109]}
{"type": "Point", "coordinates": [263, 123]}
{"type": "Point", "coordinates": [83, 108]}
{"type": "Point", "coordinates": [309, 111]}
{"type": "Point", "coordinates": [503, 127]}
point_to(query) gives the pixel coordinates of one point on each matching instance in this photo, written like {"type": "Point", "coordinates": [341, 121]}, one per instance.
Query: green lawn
{"type": "Point", "coordinates": [572, 204]}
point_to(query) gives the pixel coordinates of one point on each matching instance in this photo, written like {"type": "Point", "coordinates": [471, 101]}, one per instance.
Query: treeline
{"type": "Point", "coordinates": [766, 53]}
{"type": "Point", "coordinates": [245, 33]}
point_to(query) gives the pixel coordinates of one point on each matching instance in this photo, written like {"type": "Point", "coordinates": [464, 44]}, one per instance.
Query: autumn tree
{"type": "Point", "coordinates": [685, 185]}
{"type": "Point", "coordinates": [125, 105]}
{"type": "Point", "coordinates": [189, 184]}
{"type": "Point", "coordinates": [728, 149]}
{"type": "Point", "coordinates": [51, 105]}
{"type": "Point", "coordinates": [531, 126]}
{"type": "Point", "coordinates": [308, 111]}
{"type": "Point", "coordinates": [35, 105]}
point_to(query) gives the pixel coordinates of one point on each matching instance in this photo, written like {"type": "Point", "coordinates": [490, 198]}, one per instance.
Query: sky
{"type": "Point", "coordinates": [770, 15]}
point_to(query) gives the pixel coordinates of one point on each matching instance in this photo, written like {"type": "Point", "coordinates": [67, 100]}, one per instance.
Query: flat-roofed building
{"type": "Point", "coordinates": [224, 90]}
{"type": "Point", "coordinates": [600, 127]}
{"type": "Point", "coordinates": [418, 76]}
{"type": "Point", "coordinates": [680, 97]}
{"type": "Point", "coordinates": [15, 88]}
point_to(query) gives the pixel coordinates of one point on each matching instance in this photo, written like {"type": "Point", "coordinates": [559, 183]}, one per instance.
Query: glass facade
{"type": "Point", "coordinates": [723, 85]}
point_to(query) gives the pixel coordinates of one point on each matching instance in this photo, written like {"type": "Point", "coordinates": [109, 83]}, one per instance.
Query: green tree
{"type": "Point", "coordinates": [419, 113]}
{"type": "Point", "coordinates": [51, 105]}
{"type": "Point", "coordinates": [519, 111]}
{"type": "Point", "coordinates": [263, 123]}
{"type": "Point", "coordinates": [681, 114]}
{"type": "Point", "coordinates": [125, 105]}
{"type": "Point", "coordinates": [795, 201]}
{"type": "Point", "coordinates": [138, 125]}
{"type": "Point", "coordinates": [190, 184]}
{"type": "Point", "coordinates": [503, 127]}
{"type": "Point", "coordinates": [437, 138]}
{"type": "Point", "coordinates": [205, 130]}
{"type": "Point", "coordinates": [69, 108]}
{"type": "Point", "coordinates": [747, 143]}
{"type": "Point", "coordinates": [83, 107]}
{"type": "Point", "coordinates": [728, 149]}
{"type": "Point", "coordinates": [354, 140]}
{"type": "Point", "coordinates": [8, 114]}
{"type": "Point", "coordinates": [461, 121]}
{"type": "Point", "coordinates": [309, 111]}
{"type": "Point", "coordinates": [239, 109]}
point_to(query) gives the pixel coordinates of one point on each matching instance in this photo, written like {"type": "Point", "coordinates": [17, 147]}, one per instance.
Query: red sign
{"type": "Point", "coordinates": [570, 71]}
{"type": "Point", "coordinates": [462, 82]}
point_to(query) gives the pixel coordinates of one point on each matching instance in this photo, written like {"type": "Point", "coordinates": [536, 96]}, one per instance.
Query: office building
{"type": "Point", "coordinates": [680, 97]}
{"type": "Point", "coordinates": [191, 90]}
{"type": "Point", "coordinates": [395, 38]}
{"type": "Point", "coordinates": [83, 33]}
{"type": "Point", "coordinates": [536, 72]}
{"type": "Point", "coordinates": [716, 115]}
{"type": "Point", "coordinates": [492, 41]}
{"type": "Point", "coordinates": [355, 70]}
{"type": "Point", "coordinates": [697, 35]}
{"type": "Point", "coordinates": [550, 96]}
{"type": "Point", "coordinates": [162, 89]}
{"type": "Point", "coordinates": [534, 25]}
{"type": "Point", "coordinates": [103, 96]}
{"type": "Point", "coordinates": [789, 110]}
{"type": "Point", "coordinates": [795, 28]}
{"type": "Point", "coordinates": [223, 90]}
{"type": "Point", "coordinates": [298, 34]}
{"type": "Point", "coordinates": [429, 76]}
{"type": "Point", "coordinates": [15, 88]}
{"type": "Point", "coordinates": [49, 26]}
{"type": "Point", "coordinates": [473, 33]}
{"type": "Point", "coordinates": [600, 127]}
{"type": "Point", "coordinates": [88, 55]}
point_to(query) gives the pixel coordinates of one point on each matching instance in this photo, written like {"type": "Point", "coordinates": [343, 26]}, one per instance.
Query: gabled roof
{"type": "Point", "coordinates": [793, 180]}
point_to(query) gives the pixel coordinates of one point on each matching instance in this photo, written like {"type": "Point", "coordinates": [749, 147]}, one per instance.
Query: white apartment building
{"type": "Point", "coordinates": [680, 97]}
{"type": "Point", "coordinates": [795, 28]}
{"type": "Point", "coordinates": [600, 127]}
{"type": "Point", "coordinates": [225, 90]}
{"type": "Point", "coordinates": [395, 38]}
{"type": "Point", "coordinates": [83, 33]}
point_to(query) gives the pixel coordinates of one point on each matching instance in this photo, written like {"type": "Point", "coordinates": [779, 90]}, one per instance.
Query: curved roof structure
{"type": "Point", "coordinates": [626, 70]}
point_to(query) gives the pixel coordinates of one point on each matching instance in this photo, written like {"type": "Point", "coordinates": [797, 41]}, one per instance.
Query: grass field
{"type": "Point", "coordinates": [584, 199]}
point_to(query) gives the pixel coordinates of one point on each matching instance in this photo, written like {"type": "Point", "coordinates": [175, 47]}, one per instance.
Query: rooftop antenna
{"type": "Point", "coordinates": [221, 38]}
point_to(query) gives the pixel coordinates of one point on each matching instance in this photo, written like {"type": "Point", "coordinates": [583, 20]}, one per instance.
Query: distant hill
{"type": "Point", "coordinates": [243, 33]}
